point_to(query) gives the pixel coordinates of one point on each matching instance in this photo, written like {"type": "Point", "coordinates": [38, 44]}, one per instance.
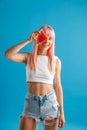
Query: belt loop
{"type": "Point", "coordinates": [47, 97]}
{"type": "Point", "coordinates": [31, 96]}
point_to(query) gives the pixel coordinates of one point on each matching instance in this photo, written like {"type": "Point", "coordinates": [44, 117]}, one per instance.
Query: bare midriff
{"type": "Point", "coordinates": [39, 89]}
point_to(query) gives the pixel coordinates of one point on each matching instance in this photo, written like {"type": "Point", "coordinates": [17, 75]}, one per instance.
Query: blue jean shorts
{"type": "Point", "coordinates": [41, 108]}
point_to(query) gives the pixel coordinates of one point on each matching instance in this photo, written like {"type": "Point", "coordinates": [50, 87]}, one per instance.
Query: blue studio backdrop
{"type": "Point", "coordinates": [69, 19]}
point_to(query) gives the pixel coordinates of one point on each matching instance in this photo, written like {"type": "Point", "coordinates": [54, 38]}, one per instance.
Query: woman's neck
{"type": "Point", "coordinates": [40, 52]}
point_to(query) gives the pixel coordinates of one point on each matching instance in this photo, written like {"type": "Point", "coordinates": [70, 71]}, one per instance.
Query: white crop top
{"type": "Point", "coordinates": [42, 73]}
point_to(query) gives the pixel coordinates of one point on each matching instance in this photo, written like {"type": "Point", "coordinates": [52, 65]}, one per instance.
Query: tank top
{"type": "Point", "coordinates": [43, 73]}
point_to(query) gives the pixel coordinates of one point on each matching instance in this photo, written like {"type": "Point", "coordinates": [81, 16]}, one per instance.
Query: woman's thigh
{"type": "Point", "coordinates": [27, 123]}
{"type": "Point", "coordinates": [51, 124]}
{"type": "Point", "coordinates": [52, 113]}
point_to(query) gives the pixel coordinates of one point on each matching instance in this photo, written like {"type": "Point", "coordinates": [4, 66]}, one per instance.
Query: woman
{"type": "Point", "coordinates": [44, 97]}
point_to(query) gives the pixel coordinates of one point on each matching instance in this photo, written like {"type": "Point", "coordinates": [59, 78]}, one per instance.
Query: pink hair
{"type": "Point", "coordinates": [50, 52]}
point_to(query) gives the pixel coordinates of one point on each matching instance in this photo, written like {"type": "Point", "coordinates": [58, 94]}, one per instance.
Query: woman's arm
{"type": "Point", "coordinates": [13, 52]}
{"type": "Point", "coordinates": [58, 86]}
{"type": "Point", "coordinates": [59, 92]}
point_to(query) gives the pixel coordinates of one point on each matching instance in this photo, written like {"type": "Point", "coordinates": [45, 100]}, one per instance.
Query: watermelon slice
{"type": "Point", "coordinates": [42, 37]}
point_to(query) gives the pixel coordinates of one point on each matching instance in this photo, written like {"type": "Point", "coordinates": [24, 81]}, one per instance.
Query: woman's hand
{"type": "Point", "coordinates": [34, 35]}
{"type": "Point", "coordinates": [61, 120]}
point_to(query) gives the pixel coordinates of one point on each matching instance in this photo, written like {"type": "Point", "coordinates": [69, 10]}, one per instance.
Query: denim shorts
{"type": "Point", "coordinates": [42, 107]}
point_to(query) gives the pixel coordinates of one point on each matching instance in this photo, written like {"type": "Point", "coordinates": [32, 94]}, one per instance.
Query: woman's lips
{"type": "Point", "coordinates": [45, 44]}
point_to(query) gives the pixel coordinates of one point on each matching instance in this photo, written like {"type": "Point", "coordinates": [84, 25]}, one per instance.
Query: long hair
{"type": "Point", "coordinates": [50, 52]}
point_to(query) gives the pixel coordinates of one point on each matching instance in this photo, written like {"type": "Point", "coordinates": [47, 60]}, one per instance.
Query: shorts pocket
{"type": "Point", "coordinates": [55, 107]}
{"type": "Point", "coordinates": [52, 98]}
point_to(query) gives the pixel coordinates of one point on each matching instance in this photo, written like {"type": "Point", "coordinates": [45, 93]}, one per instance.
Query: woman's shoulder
{"type": "Point", "coordinates": [57, 59]}
{"type": "Point", "coordinates": [26, 55]}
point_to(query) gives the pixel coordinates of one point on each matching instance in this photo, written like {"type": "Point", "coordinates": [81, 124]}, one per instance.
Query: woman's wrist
{"type": "Point", "coordinates": [29, 40]}
{"type": "Point", "coordinates": [61, 110]}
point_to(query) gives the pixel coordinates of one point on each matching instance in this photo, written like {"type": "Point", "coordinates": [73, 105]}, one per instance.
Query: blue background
{"type": "Point", "coordinates": [69, 19]}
